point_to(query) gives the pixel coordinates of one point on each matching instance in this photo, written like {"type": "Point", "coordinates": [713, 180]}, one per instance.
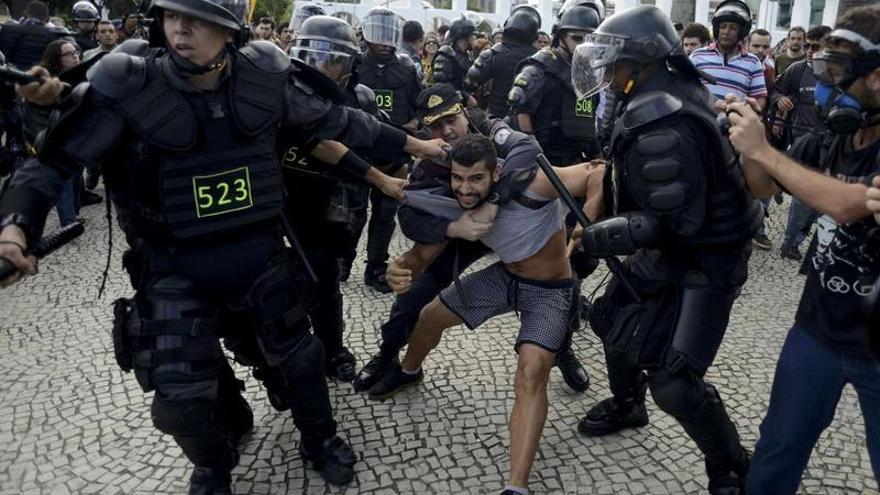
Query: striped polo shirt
{"type": "Point", "coordinates": [741, 74]}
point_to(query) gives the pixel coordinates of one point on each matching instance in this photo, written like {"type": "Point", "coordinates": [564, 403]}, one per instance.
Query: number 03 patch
{"type": "Point", "coordinates": [222, 193]}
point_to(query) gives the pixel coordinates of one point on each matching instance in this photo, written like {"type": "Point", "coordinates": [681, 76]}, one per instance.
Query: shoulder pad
{"type": "Point", "coordinates": [366, 99]}
{"type": "Point", "coordinates": [546, 57]}
{"type": "Point", "coordinates": [118, 75]}
{"type": "Point", "coordinates": [527, 83]}
{"type": "Point", "coordinates": [310, 81]}
{"type": "Point", "coordinates": [484, 57]}
{"type": "Point", "coordinates": [649, 107]}
{"type": "Point", "coordinates": [446, 50]}
{"type": "Point", "coordinates": [135, 47]}
{"type": "Point", "coordinates": [497, 48]}
{"type": "Point", "coordinates": [406, 61]}
{"type": "Point", "coordinates": [266, 56]}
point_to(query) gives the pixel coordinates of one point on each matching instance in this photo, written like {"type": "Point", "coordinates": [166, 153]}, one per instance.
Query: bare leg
{"type": "Point", "coordinates": [529, 410]}
{"type": "Point", "coordinates": [433, 319]}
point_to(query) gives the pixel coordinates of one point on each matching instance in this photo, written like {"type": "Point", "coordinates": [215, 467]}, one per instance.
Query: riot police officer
{"type": "Point", "coordinates": [322, 203]}
{"type": "Point", "coordinates": [86, 17]}
{"type": "Point", "coordinates": [681, 211]}
{"type": "Point", "coordinates": [395, 80]}
{"type": "Point", "coordinates": [196, 118]}
{"type": "Point", "coordinates": [24, 43]}
{"type": "Point", "coordinates": [454, 58]}
{"type": "Point", "coordinates": [542, 100]}
{"type": "Point", "coordinates": [302, 13]}
{"type": "Point", "coordinates": [498, 65]}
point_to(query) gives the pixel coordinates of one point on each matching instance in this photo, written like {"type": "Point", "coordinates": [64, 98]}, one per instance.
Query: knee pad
{"type": "Point", "coordinates": [305, 359]}
{"type": "Point", "coordinates": [184, 418]}
{"type": "Point", "coordinates": [683, 395]}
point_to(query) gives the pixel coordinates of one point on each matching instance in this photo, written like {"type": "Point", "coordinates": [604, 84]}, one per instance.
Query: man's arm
{"type": "Point", "coordinates": [841, 201]}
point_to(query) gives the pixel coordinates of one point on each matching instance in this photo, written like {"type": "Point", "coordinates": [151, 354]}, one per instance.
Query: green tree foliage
{"type": "Point", "coordinates": [280, 10]}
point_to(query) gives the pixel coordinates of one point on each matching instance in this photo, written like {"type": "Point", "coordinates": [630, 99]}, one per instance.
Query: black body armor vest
{"type": "Point", "coordinates": [392, 83]}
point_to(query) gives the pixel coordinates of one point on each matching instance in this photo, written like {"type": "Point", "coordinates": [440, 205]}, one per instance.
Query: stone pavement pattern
{"type": "Point", "coordinates": [72, 422]}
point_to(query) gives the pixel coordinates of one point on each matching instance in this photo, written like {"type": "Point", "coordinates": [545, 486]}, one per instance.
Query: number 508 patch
{"type": "Point", "coordinates": [222, 193]}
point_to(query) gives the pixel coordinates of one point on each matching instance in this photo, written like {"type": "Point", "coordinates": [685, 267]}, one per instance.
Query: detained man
{"type": "Point", "coordinates": [533, 278]}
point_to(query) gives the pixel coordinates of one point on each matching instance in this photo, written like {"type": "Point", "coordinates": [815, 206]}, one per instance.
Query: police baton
{"type": "Point", "coordinates": [287, 227]}
{"type": "Point", "coordinates": [614, 264]}
{"type": "Point", "coordinates": [47, 245]}
{"type": "Point", "coordinates": [11, 74]}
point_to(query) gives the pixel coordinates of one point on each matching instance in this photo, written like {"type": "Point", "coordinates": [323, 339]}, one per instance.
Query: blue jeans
{"type": "Point", "coordinates": [800, 218]}
{"type": "Point", "coordinates": [810, 377]}
{"type": "Point", "coordinates": [68, 202]}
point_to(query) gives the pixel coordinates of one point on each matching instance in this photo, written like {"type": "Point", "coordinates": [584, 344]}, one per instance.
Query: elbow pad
{"type": "Point", "coordinates": [621, 235]}
{"type": "Point", "coordinates": [511, 185]}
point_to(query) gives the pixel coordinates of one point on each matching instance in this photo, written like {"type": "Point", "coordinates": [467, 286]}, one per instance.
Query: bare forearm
{"type": "Point", "coordinates": [525, 123]}
{"type": "Point", "coordinates": [420, 256]}
{"type": "Point", "coordinates": [760, 183]}
{"type": "Point", "coordinates": [844, 202]}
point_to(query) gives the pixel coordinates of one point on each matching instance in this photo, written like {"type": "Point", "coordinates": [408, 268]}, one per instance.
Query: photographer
{"type": "Point", "coordinates": [825, 349]}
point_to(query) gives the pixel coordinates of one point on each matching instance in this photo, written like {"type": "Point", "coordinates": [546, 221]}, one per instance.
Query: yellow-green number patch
{"type": "Point", "coordinates": [584, 107]}
{"type": "Point", "coordinates": [384, 99]}
{"type": "Point", "coordinates": [222, 193]}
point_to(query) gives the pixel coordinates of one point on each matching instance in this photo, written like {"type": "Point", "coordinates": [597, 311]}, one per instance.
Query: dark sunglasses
{"type": "Point", "coordinates": [813, 47]}
{"type": "Point", "coordinates": [577, 38]}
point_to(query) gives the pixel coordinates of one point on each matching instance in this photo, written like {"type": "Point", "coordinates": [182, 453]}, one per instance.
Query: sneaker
{"type": "Point", "coordinates": [333, 460]}
{"type": "Point", "coordinates": [374, 276]}
{"type": "Point", "coordinates": [609, 417]}
{"type": "Point", "coordinates": [761, 241]}
{"type": "Point", "coordinates": [373, 371]}
{"type": "Point", "coordinates": [341, 365]}
{"type": "Point", "coordinates": [728, 479]}
{"type": "Point", "coordinates": [393, 381]}
{"type": "Point", "coordinates": [210, 481]}
{"type": "Point", "coordinates": [790, 253]}
{"type": "Point", "coordinates": [573, 373]}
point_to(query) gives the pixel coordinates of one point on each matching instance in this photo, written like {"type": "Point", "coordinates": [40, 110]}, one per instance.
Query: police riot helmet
{"type": "Point", "coordinates": [578, 15]}
{"type": "Point", "coordinates": [523, 24]}
{"type": "Point", "coordinates": [230, 14]}
{"type": "Point", "coordinates": [303, 12]}
{"type": "Point", "coordinates": [84, 11]}
{"type": "Point", "coordinates": [382, 26]}
{"type": "Point", "coordinates": [327, 44]}
{"type": "Point", "coordinates": [460, 28]}
{"type": "Point", "coordinates": [642, 34]}
{"type": "Point", "coordinates": [733, 11]}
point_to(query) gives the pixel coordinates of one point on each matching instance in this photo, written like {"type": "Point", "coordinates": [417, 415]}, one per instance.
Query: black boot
{"type": "Point", "coordinates": [372, 372]}
{"type": "Point", "coordinates": [374, 276]}
{"type": "Point", "coordinates": [210, 481]}
{"type": "Point", "coordinates": [728, 478]}
{"type": "Point", "coordinates": [332, 458]}
{"type": "Point", "coordinates": [236, 410]}
{"type": "Point", "coordinates": [344, 269]}
{"type": "Point", "coordinates": [341, 365]}
{"type": "Point", "coordinates": [573, 373]}
{"type": "Point", "coordinates": [276, 389]}
{"type": "Point", "coordinates": [89, 198]}
{"type": "Point", "coordinates": [611, 416]}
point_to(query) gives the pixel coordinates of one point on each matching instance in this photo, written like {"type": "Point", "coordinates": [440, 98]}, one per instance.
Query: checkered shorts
{"type": "Point", "coordinates": [544, 307]}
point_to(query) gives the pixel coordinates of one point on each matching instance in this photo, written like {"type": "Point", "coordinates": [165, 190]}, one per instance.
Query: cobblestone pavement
{"type": "Point", "coordinates": [72, 422]}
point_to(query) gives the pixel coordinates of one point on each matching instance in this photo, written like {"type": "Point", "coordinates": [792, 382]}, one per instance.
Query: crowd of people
{"type": "Point", "coordinates": [653, 146]}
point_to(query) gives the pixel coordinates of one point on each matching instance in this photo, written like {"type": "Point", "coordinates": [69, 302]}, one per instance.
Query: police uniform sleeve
{"type": "Point", "coordinates": [418, 225]}
{"type": "Point", "coordinates": [479, 72]}
{"type": "Point", "coordinates": [326, 119]}
{"type": "Point", "coordinates": [519, 151]}
{"type": "Point", "coordinates": [527, 91]}
{"type": "Point", "coordinates": [665, 168]}
{"type": "Point", "coordinates": [80, 136]}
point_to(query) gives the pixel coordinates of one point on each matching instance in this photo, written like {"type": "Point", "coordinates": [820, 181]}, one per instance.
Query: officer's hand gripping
{"type": "Point", "coordinates": [13, 249]}
{"type": "Point", "coordinates": [38, 86]}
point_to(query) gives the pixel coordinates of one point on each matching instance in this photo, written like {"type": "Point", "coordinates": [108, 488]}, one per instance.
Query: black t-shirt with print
{"type": "Point", "coordinates": [847, 260]}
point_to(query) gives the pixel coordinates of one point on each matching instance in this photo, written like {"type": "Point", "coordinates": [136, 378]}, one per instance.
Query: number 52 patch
{"type": "Point", "coordinates": [222, 193]}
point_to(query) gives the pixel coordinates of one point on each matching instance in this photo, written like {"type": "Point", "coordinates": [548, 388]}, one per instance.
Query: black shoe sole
{"type": "Point", "coordinates": [608, 430]}
{"type": "Point", "coordinates": [395, 391]}
{"type": "Point", "coordinates": [338, 479]}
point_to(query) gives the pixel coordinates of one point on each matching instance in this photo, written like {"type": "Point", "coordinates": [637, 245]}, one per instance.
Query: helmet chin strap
{"type": "Point", "coordinates": [189, 68]}
{"type": "Point", "coordinates": [631, 81]}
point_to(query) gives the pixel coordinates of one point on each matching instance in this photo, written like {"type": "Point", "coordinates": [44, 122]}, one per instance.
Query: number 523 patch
{"type": "Point", "coordinates": [222, 193]}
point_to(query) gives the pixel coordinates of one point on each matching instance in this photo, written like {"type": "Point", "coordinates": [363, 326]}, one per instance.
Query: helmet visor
{"type": "Point", "coordinates": [592, 64]}
{"type": "Point", "coordinates": [832, 68]}
{"type": "Point", "coordinates": [333, 64]}
{"type": "Point", "coordinates": [304, 13]}
{"type": "Point", "coordinates": [384, 30]}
